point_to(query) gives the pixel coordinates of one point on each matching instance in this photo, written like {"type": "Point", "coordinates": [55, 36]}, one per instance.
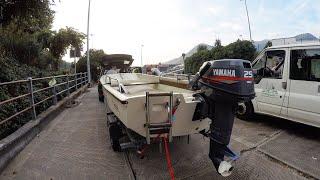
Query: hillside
{"type": "Point", "coordinates": [179, 60]}
{"type": "Point", "coordinates": [259, 45]}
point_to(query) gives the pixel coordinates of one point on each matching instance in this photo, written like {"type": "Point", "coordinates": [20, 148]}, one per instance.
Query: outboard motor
{"type": "Point", "coordinates": [223, 84]}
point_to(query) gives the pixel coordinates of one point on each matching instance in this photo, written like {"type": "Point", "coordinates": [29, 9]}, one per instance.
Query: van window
{"type": "Point", "coordinates": [260, 63]}
{"type": "Point", "coordinates": [305, 64]}
{"type": "Point", "coordinates": [270, 65]}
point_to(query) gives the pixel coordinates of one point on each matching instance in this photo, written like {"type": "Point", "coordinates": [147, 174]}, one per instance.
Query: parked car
{"type": "Point", "coordinates": [287, 84]}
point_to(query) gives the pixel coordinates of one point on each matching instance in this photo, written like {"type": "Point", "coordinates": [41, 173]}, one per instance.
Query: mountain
{"type": "Point", "coordinates": [179, 60]}
{"type": "Point", "coordinates": [305, 37]}
{"type": "Point", "coordinates": [260, 44]}
{"type": "Point", "coordinates": [299, 38]}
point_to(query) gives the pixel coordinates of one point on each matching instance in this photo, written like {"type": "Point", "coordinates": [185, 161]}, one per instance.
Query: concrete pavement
{"type": "Point", "coordinates": [75, 146]}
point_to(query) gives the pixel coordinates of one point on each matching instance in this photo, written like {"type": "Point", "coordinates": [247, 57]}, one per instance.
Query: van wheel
{"type": "Point", "coordinates": [115, 135]}
{"type": "Point", "coordinates": [245, 111]}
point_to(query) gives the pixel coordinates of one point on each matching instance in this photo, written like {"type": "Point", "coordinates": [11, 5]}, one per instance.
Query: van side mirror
{"type": "Point", "coordinates": [254, 72]}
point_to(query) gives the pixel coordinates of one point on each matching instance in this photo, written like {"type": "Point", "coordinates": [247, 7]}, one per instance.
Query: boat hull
{"type": "Point", "coordinates": [130, 109]}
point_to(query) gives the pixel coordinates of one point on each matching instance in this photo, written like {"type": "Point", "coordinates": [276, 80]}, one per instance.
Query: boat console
{"type": "Point", "coordinates": [222, 84]}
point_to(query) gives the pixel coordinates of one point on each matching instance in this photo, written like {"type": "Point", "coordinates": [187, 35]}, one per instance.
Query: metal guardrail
{"type": "Point", "coordinates": [178, 76]}
{"type": "Point", "coordinates": [177, 71]}
{"type": "Point", "coordinates": [71, 81]}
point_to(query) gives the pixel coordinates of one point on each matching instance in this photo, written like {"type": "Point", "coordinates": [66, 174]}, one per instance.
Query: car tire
{"type": "Point", "coordinates": [245, 111]}
{"type": "Point", "coordinates": [115, 135]}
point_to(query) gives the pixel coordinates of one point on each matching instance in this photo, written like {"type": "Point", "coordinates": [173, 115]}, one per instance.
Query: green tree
{"type": "Point", "coordinates": [217, 43]}
{"type": "Point", "coordinates": [218, 51]}
{"type": "Point", "coordinates": [29, 15]}
{"type": "Point", "coordinates": [240, 50]}
{"type": "Point", "coordinates": [193, 63]}
{"type": "Point", "coordinates": [40, 48]}
{"type": "Point", "coordinates": [27, 47]}
{"type": "Point", "coordinates": [25, 33]}
{"type": "Point", "coordinates": [95, 62]}
{"type": "Point", "coordinates": [201, 47]}
{"type": "Point", "coordinates": [19, 45]}
{"type": "Point", "coordinates": [63, 39]}
{"type": "Point", "coordinates": [235, 50]}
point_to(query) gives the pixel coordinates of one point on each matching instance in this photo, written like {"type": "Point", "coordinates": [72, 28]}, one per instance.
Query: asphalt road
{"type": "Point", "coordinates": [75, 146]}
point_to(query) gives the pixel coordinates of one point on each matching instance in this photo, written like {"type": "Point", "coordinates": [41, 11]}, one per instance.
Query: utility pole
{"type": "Point", "coordinates": [91, 35]}
{"type": "Point", "coordinates": [245, 3]}
{"type": "Point", "coordinates": [88, 49]}
{"type": "Point", "coordinates": [1, 16]}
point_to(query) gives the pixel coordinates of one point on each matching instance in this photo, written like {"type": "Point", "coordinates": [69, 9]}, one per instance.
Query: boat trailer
{"type": "Point", "coordinates": [220, 86]}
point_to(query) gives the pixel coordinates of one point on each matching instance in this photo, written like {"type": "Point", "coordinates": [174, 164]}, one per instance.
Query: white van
{"type": "Point", "coordinates": [287, 84]}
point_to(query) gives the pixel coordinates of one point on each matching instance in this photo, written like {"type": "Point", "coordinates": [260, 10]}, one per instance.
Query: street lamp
{"type": "Point", "coordinates": [141, 54]}
{"type": "Point", "coordinates": [88, 58]}
{"type": "Point", "coordinates": [245, 3]}
{"type": "Point", "coordinates": [183, 56]}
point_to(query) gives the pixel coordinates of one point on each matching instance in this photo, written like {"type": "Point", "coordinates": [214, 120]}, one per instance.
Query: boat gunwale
{"type": "Point", "coordinates": [123, 98]}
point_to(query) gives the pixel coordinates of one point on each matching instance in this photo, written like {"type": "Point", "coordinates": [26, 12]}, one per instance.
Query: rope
{"type": "Point", "coordinates": [170, 168]}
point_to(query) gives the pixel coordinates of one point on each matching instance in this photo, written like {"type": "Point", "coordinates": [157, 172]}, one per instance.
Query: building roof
{"type": "Point", "coordinates": [295, 45]}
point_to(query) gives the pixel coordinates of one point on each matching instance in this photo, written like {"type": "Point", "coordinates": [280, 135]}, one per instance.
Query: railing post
{"type": "Point", "coordinates": [68, 84]}
{"type": "Point", "coordinates": [81, 75]}
{"type": "Point", "coordinates": [54, 92]}
{"type": "Point", "coordinates": [86, 78]}
{"type": "Point", "coordinates": [76, 80]}
{"type": "Point", "coordinates": [30, 88]}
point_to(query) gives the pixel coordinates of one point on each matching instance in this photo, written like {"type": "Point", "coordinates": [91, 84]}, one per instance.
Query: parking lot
{"type": "Point", "coordinates": [270, 148]}
{"type": "Point", "coordinates": [75, 145]}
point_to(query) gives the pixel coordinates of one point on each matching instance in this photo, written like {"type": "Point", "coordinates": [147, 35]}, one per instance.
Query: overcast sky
{"type": "Point", "coordinates": [167, 28]}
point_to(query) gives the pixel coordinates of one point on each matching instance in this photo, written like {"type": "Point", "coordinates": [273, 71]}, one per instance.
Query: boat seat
{"type": "Point", "coordinates": [141, 89]}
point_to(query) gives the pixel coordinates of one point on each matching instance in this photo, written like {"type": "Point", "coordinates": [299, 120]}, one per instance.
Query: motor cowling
{"type": "Point", "coordinates": [231, 76]}
{"type": "Point", "coordinates": [223, 83]}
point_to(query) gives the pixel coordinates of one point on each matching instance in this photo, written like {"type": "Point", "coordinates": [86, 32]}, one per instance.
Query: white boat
{"type": "Point", "coordinates": [125, 96]}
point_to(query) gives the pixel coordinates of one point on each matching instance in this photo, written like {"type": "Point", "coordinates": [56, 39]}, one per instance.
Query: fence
{"type": "Point", "coordinates": [64, 84]}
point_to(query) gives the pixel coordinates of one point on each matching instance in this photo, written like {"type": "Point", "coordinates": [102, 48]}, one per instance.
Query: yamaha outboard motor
{"type": "Point", "coordinates": [223, 84]}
